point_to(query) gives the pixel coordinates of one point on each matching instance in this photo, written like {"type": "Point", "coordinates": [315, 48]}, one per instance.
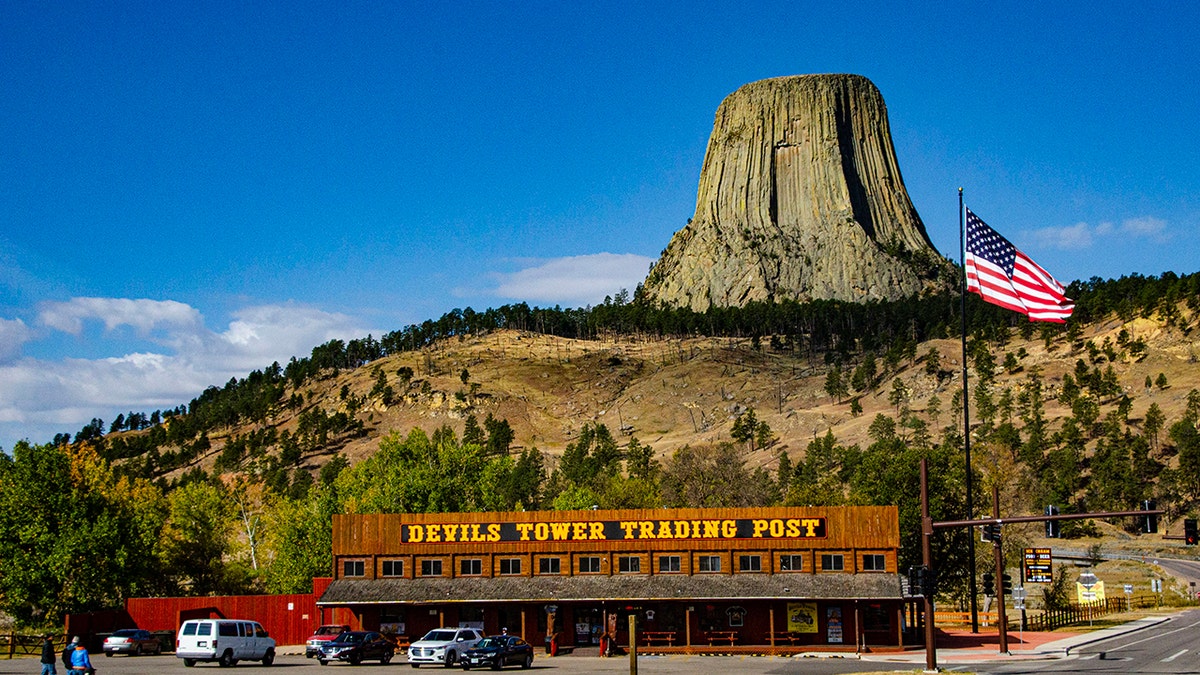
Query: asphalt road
{"type": "Point", "coordinates": [648, 665]}
{"type": "Point", "coordinates": [1170, 647]}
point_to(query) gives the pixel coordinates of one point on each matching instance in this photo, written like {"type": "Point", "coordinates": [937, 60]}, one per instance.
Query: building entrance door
{"type": "Point", "coordinates": [589, 626]}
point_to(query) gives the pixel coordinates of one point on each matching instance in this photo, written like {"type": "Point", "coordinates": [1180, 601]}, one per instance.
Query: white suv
{"type": "Point", "coordinates": [443, 645]}
{"type": "Point", "coordinates": [226, 641]}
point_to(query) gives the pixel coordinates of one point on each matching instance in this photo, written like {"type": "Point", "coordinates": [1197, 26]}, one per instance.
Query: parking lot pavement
{"type": "Point", "coordinates": [647, 665]}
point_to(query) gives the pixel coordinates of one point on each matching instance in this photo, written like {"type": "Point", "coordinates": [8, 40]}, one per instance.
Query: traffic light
{"type": "Point", "coordinates": [1006, 584]}
{"type": "Point", "coordinates": [990, 532]}
{"type": "Point", "coordinates": [1189, 532]}
{"type": "Point", "coordinates": [989, 584]}
{"type": "Point", "coordinates": [928, 583]}
{"type": "Point", "coordinates": [914, 579]}
{"type": "Point", "coordinates": [1150, 520]}
{"type": "Point", "coordinates": [1052, 526]}
{"type": "Point", "coordinates": [921, 581]}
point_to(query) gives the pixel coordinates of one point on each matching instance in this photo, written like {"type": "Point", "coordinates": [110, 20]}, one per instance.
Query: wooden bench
{"type": "Point", "coordinates": [785, 636]}
{"type": "Point", "coordinates": [659, 637]}
{"type": "Point", "coordinates": [715, 636]}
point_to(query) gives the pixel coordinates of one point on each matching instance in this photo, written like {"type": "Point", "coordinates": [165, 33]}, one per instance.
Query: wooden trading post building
{"type": "Point", "coordinates": [784, 578]}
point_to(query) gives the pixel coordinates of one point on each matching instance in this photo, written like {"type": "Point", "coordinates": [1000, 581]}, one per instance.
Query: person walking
{"type": "Point", "coordinates": [49, 655]}
{"type": "Point", "coordinates": [68, 651]}
{"type": "Point", "coordinates": [80, 662]}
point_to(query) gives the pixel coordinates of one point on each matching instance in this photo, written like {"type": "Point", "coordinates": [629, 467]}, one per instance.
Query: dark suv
{"type": "Point", "coordinates": [357, 646]}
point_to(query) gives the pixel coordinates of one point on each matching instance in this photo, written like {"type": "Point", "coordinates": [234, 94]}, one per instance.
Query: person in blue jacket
{"type": "Point", "coordinates": [80, 663]}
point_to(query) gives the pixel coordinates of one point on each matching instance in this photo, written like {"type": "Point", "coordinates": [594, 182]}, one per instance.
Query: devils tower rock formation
{"type": "Point", "coordinates": [800, 198]}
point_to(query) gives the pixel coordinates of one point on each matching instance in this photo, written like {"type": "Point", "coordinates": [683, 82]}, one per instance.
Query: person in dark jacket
{"type": "Point", "coordinates": [48, 655]}
{"type": "Point", "coordinates": [67, 652]}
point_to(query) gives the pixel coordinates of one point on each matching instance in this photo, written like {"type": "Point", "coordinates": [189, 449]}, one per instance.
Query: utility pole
{"type": "Point", "coordinates": [998, 548]}
{"type": "Point", "coordinates": [927, 560]}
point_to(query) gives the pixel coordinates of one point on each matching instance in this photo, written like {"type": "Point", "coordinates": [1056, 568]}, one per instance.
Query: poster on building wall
{"type": "Point", "coordinates": [833, 625]}
{"type": "Point", "coordinates": [802, 617]}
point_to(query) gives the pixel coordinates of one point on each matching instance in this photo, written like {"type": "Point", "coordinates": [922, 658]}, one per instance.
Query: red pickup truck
{"type": "Point", "coordinates": [324, 634]}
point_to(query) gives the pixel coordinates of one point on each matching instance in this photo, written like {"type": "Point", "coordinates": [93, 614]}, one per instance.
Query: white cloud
{"type": "Point", "coordinates": [13, 334]}
{"type": "Point", "coordinates": [1071, 237]}
{"type": "Point", "coordinates": [575, 280]}
{"type": "Point", "coordinates": [1083, 236]}
{"type": "Point", "coordinates": [37, 395]}
{"type": "Point", "coordinates": [1147, 226]}
{"type": "Point", "coordinates": [143, 315]}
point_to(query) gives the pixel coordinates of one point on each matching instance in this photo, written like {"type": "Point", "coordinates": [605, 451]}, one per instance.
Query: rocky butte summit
{"type": "Point", "coordinates": [800, 198]}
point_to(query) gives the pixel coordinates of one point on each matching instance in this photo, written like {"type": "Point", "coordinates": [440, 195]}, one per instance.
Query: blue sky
{"type": "Point", "coordinates": [189, 191]}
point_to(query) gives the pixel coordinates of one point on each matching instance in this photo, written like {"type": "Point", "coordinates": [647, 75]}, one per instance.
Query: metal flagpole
{"type": "Point", "coordinates": [962, 242]}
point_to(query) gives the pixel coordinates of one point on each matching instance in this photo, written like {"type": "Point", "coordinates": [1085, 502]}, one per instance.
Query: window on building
{"type": "Point", "coordinates": [354, 568]}
{"type": "Point", "coordinates": [629, 564]}
{"type": "Point", "coordinates": [709, 563]}
{"type": "Point", "coordinates": [669, 563]}
{"type": "Point", "coordinates": [832, 562]}
{"type": "Point", "coordinates": [470, 567]}
{"type": "Point", "coordinates": [791, 563]}
{"type": "Point", "coordinates": [393, 568]}
{"type": "Point", "coordinates": [874, 562]}
{"type": "Point", "coordinates": [510, 566]}
{"type": "Point", "coordinates": [588, 564]}
{"type": "Point", "coordinates": [431, 568]}
{"type": "Point", "coordinates": [749, 563]}
{"type": "Point", "coordinates": [549, 566]}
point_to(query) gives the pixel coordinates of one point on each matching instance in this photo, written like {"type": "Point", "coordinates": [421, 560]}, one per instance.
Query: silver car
{"type": "Point", "coordinates": [132, 641]}
{"type": "Point", "coordinates": [443, 646]}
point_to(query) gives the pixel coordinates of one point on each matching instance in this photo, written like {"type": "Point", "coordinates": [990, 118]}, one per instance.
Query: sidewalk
{"type": "Point", "coordinates": [958, 646]}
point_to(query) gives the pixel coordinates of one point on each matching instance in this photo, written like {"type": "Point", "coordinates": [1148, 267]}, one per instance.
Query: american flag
{"type": "Point", "coordinates": [1004, 276]}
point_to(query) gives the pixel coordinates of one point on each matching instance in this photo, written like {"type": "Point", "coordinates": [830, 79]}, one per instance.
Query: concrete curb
{"type": "Point", "coordinates": [1109, 633]}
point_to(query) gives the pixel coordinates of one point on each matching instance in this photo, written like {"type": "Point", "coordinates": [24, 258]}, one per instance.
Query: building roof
{"type": "Point", "coordinates": [440, 590]}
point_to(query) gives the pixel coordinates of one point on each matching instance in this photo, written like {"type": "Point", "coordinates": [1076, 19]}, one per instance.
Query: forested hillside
{"type": "Point", "coordinates": [618, 405]}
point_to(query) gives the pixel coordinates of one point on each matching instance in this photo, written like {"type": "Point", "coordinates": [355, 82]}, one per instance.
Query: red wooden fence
{"type": "Point", "coordinates": [290, 619]}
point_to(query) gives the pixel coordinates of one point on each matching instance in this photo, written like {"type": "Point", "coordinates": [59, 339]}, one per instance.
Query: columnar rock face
{"type": "Point", "coordinates": [800, 198]}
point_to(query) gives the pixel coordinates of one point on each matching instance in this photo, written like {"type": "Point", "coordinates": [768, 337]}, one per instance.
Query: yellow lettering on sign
{"type": "Point", "coordinates": [776, 528]}
{"type": "Point", "coordinates": [433, 534]}
{"type": "Point", "coordinates": [683, 529]}
{"type": "Point", "coordinates": [664, 530]}
{"type": "Point", "coordinates": [760, 526]}
{"type": "Point", "coordinates": [695, 528]}
{"type": "Point", "coordinates": [811, 525]}
{"type": "Point", "coordinates": [627, 526]}
{"type": "Point", "coordinates": [541, 531]}
{"type": "Point", "coordinates": [712, 529]}
{"type": "Point", "coordinates": [451, 532]}
{"type": "Point", "coordinates": [579, 530]}
{"type": "Point", "coordinates": [416, 534]}
{"type": "Point", "coordinates": [728, 529]}
{"type": "Point", "coordinates": [494, 532]}
{"type": "Point", "coordinates": [524, 529]}
{"type": "Point", "coordinates": [793, 527]}
{"type": "Point", "coordinates": [598, 531]}
{"type": "Point", "coordinates": [647, 529]}
{"type": "Point", "coordinates": [560, 530]}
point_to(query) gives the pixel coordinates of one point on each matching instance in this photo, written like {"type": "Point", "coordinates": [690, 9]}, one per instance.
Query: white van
{"type": "Point", "coordinates": [226, 641]}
